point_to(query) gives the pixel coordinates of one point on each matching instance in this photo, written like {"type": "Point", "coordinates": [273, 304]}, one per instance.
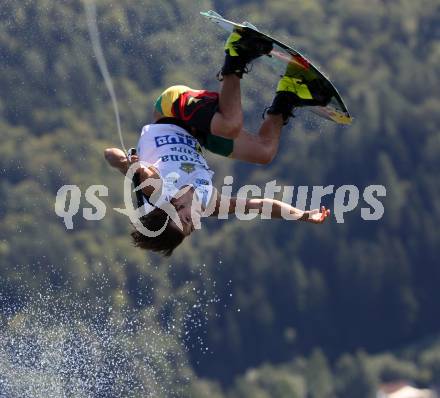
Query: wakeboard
{"type": "Point", "coordinates": [300, 68]}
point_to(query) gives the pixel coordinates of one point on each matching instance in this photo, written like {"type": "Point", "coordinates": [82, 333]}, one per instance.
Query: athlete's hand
{"type": "Point", "coordinates": [134, 159]}
{"type": "Point", "coordinates": [316, 216]}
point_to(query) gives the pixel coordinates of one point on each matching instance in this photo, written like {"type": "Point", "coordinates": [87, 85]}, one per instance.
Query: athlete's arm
{"type": "Point", "coordinates": [270, 207]}
{"type": "Point", "coordinates": [278, 209]}
{"type": "Point", "coordinates": [117, 159]}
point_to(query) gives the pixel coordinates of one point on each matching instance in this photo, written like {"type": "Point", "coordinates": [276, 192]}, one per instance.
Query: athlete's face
{"type": "Point", "coordinates": [187, 213]}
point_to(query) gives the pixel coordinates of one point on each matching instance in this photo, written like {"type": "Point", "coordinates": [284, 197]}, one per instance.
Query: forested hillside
{"type": "Point", "coordinates": [242, 309]}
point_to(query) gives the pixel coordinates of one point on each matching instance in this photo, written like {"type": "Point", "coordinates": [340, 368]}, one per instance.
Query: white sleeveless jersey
{"type": "Point", "coordinates": [177, 156]}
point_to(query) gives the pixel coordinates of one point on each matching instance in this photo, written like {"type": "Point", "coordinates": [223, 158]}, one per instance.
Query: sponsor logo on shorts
{"type": "Point", "coordinates": [193, 100]}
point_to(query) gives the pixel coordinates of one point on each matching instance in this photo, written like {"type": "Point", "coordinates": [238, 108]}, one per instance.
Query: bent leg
{"type": "Point", "coordinates": [240, 50]}
{"type": "Point", "coordinates": [259, 148]}
{"type": "Point", "coordinates": [228, 121]}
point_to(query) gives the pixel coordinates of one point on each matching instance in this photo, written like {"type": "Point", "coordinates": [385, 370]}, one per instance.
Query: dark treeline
{"type": "Point", "coordinates": [298, 303]}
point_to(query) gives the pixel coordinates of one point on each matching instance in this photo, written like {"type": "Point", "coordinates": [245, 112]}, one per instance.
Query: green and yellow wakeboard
{"type": "Point", "coordinates": [299, 67]}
